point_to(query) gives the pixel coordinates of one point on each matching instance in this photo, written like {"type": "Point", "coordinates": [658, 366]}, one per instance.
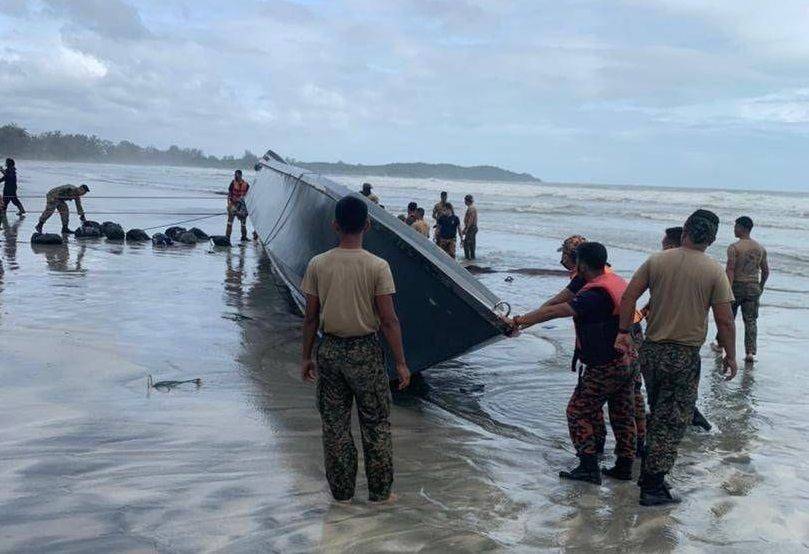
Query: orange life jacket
{"type": "Point", "coordinates": [614, 284]}
{"type": "Point", "coordinates": [238, 190]}
{"type": "Point", "coordinates": [638, 317]}
{"type": "Point", "coordinates": [594, 341]}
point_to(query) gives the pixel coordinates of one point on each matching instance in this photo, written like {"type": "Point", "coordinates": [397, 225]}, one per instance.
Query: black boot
{"type": "Point", "coordinates": [66, 231]}
{"type": "Point", "coordinates": [622, 469]}
{"type": "Point", "coordinates": [654, 491]}
{"type": "Point", "coordinates": [38, 228]}
{"type": "Point", "coordinates": [587, 470]}
{"type": "Point", "coordinates": [700, 421]}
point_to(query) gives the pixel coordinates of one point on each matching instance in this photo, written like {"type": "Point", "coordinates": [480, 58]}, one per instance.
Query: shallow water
{"type": "Point", "coordinates": [92, 461]}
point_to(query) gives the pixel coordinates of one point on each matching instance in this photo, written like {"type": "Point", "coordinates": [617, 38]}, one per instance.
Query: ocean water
{"type": "Point", "coordinates": [91, 461]}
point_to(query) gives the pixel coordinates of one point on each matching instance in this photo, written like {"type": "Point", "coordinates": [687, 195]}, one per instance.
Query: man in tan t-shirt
{"type": "Point", "coordinates": [469, 232]}
{"type": "Point", "coordinates": [684, 283]}
{"type": "Point", "coordinates": [349, 297]}
{"type": "Point", "coordinates": [747, 270]}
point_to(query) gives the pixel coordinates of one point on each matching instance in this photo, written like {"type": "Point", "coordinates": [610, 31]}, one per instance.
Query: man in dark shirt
{"type": "Point", "coordinates": [9, 180]}
{"type": "Point", "coordinates": [606, 377]}
{"type": "Point", "coordinates": [447, 232]}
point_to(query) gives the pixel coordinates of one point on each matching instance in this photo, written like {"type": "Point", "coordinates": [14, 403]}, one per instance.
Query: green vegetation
{"type": "Point", "coordinates": [418, 170]}
{"type": "Point", "coordinates": [17, 142]}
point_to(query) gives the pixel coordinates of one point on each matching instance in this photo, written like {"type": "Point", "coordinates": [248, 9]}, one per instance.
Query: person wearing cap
{"type": "Point", "coordinates": [366, 192]}
{"type": "Point", "coordinates": [568, 261]}
{"type": "Point", "coordinates": [470, 228]}
{"type": "Point", "coordinates": [57, 199]}
{"type": "Point", "coordinates": [684, 284]}
{"type": "Point", "coordinates": [606, 377]}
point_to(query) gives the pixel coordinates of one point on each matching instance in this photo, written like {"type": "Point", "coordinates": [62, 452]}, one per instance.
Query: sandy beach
{"type": "Point", "coordinates": [92, 461]}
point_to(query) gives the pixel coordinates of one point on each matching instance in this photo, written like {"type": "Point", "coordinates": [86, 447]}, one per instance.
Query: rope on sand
{"type": "Point", "coordinates": [184, 221]}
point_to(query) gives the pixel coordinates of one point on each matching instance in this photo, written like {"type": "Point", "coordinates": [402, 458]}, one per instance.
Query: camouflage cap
{"type": "Point", "coordinates": [570, 244]}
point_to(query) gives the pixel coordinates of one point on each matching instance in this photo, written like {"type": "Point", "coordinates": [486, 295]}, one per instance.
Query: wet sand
{"type": "Point", "coordinates": [92, 461]}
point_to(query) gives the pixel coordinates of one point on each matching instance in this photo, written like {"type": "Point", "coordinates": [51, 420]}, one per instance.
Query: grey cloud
{"type": "Point", "coordinates": [109, 18]}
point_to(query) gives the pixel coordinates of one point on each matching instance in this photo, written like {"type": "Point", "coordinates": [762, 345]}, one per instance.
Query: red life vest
{"type": "Point", "coordinates": [615, 285]}
{"type": "Point", "coordinates": [594, 340]}
{"type": "Point", "coordinates": [238, 190]}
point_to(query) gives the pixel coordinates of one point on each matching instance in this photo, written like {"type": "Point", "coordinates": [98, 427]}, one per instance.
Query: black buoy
{"type": "Point", "coordinates": [199, 233]}
{"type": "Point", "coordinates": [188, 238]}
{"type": "Point", "coordinates": [113, 231]}
{"type": "Point", "coordinates": [88, 230]}
{"type": "Point", "coordinates": [136, 235]}
{"type": "Point", "coordinates": [159, 239]}
{"type": "Point", "coordinates": [174, 232]}
{"type": "Point", "coordinates": [220, 240]}
{"type": "Point", "coordinates": [47, 238]}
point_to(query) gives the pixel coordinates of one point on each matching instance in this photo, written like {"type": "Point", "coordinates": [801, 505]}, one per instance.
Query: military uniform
{"type": "Point", "coordinates": [352, 368]}
{"type": "Point", "coordinates": [671, 372]}
{"type": "Point", "coordinates": [610, 383]}
{"type": "Point", "coordinates": [56, 199]}
{"type": "Point", "coordinates": [746, 295]}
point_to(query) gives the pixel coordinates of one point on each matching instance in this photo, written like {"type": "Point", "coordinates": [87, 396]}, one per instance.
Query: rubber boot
{"type": "Point", "coordinates": [700, 421]}
{"type": "Point", "coordinates": [654, 491]}
{"type": "Point", "coordinates": [38, 228]}
{"type": "Point", "coordinates": [640, 446]}
{"type": "Point", "coordinates": [228, 230]}
{"type": "Point", "coordinates": [66, 230]}
{"type": "Point", "coordinates": [244, 234]}
{"type": "Point", "coordinates": [622, 470]}
{"type": "Point", "coordinates": [586, 471]}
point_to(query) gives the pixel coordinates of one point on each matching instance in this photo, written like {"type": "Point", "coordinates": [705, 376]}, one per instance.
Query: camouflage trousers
{"type": "Point", "coordinates": [671, 373]}
{"type": "Point", "coordinates": [640, 401]}
{"type": "Point", "coordinates": [352, 369]}
{"type": "Point", "coordinates": [470, 243]}
{"type": "Point", "coordinates": [447, 245]}
{"type": "Point", "coordinates": [611, 384]}
{"type": "Point", "coordinates": [55, 204]}
{"type": "Point", "coordinates": [746, 297]}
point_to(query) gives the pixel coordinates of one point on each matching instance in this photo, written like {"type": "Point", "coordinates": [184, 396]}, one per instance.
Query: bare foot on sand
{"type": "Point", "coordinates": [390, 500]}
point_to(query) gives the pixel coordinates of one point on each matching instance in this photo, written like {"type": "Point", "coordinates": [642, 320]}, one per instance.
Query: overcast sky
{"type": "Point", "coordinates": [668, 92]}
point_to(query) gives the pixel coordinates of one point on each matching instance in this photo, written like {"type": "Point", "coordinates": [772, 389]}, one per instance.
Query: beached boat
{"type": "Point", "coordinates": [443, 309]}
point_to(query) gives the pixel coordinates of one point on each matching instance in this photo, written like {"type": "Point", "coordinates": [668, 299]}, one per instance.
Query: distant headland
{"type": "Point", "coordinates": [18, 142]}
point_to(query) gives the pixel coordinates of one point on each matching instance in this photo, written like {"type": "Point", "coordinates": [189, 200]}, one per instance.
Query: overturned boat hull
{"type": "Point", "coordinates": [444, 311]}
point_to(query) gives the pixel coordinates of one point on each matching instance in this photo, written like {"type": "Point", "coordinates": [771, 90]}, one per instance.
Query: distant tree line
{"type": "Point", "coordinates": [417, 170]}
{"type": "Point", "coordinates": [17, 142]}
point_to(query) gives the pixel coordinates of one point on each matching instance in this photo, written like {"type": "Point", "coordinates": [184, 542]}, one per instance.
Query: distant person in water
{"type": "Point", "coordinates": [447, 230]}
{"type": "Point", "coordinates": [9, 180]}
{"type": "Point", "coordinates": [237, 208]}
{"type": "Point", "coordinates": [440, 206]}
{"type": "Point", "coordinates": [56, 200]}
{"type": "Point", "coordinates": [420, 225]}
{"type": "Point", "coordinates": [747, 270]}
{"type": "Point", "coordinates": [470, 228]}
{"type": "Point", "coordinates": [606, 377]}
{"type": "Point", "coordinates": [366, 192]}
{"type": "Point", "coordinates": [673, 238]}
{"type": "Point", "coordinates": [684, 284]}
{"type": "Point", "coordinates": [349, 298]}
{"type": "Point", "coordinates": [410, 218]}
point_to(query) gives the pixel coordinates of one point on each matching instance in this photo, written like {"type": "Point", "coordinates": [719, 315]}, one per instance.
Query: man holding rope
{"type": "Point", "coordinates": [57, 199]}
